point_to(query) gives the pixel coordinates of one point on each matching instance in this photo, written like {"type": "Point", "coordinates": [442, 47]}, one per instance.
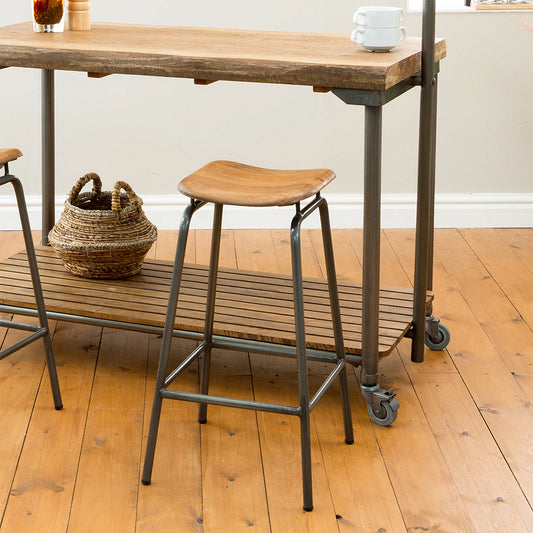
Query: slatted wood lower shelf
{"type": "Point", "coordinates": [250, 305]}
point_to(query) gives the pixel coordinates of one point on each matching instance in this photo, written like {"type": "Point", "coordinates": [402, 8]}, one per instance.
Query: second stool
{"type": "Point", "coordinates": [225, 182]}
{"type": "Point", "coordinates": [7, 155]}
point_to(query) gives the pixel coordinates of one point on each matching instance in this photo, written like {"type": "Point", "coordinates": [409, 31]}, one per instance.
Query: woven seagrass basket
{"type": "Point", "coordinates": [102, 235]}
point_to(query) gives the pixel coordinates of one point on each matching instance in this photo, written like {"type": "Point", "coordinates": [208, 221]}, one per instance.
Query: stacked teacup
{"type": "Point", "coordinates": [378, 27]}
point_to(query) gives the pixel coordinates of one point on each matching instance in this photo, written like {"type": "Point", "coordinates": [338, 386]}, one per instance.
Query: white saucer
{"type": "Point", "coordinates": [379, 48]}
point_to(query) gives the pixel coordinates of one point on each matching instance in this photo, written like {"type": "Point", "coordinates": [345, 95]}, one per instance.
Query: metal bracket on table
{"type": "Point", "coordinates": [379, 98]}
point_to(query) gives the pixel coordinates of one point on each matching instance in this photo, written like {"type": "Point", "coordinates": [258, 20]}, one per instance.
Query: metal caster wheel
{"type": "Point", "coordinates": [441, 341]}
{"type": "Point", "coordinates": [388, 411]}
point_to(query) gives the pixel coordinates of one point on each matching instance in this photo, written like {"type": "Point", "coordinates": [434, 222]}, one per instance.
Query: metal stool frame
{"type": "Point", "coordinates": [43, 330]}
{"type": "Point", "coordinates": [306, 405]}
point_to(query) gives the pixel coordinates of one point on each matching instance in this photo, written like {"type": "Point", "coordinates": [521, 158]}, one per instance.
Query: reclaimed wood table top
{"type": "Point", "coordinates": [209, 54]}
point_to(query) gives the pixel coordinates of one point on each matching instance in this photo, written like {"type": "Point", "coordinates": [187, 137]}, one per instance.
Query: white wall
{"type": "Point", "coordinates": [151, 132]}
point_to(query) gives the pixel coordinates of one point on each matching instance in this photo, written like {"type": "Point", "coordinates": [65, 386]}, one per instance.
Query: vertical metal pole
{"type": "Point", "coordinates": [210, 309]}
{"type": "Point", "coordinates": [48, 153]}
{"type": "Point", "coordinates": [303, 388]}
{"type": "Point", "coordinates": [371, 244]}
{"type": "Point", "coordinates": [336, 319]}
{"type": "Point", "coordinates": [167, 341]}
{"type": "Point", "coordinates": [38, 291]}
{"type": "Point", "coordinates": [425, 161]}
{"type": "Point", "coordinates": [432, 192]}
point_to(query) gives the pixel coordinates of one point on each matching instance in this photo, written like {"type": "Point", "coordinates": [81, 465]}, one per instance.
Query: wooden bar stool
{"type": "Point", "coordinates": [42, 331]}
{"type": "Point", "coordinates": [225, 182]}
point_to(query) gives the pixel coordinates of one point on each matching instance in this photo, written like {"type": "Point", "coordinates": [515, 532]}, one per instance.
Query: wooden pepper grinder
{"type": "Point", "coordinates": [79, 15]}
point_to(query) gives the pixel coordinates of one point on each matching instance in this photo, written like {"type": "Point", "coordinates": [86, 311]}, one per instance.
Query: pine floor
{"type": "Point", "coordinates": [459, 458]}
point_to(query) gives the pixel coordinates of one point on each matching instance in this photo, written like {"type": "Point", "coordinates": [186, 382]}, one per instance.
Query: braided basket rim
{"type": "Point", "coordinates": [103, 212]}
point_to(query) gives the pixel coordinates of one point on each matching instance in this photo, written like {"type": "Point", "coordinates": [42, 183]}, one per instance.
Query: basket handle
{"type": "Point", "coordinates": [97, 186]}
{"type": "Point", "coordinates": [115, 196]}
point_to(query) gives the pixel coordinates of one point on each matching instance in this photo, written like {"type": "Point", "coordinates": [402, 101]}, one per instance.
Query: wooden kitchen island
{"type": "Point", "coordinates": [375, 318]}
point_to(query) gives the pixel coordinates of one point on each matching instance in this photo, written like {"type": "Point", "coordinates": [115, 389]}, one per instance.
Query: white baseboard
{"type": "Point", "coordinates": [346, 211]}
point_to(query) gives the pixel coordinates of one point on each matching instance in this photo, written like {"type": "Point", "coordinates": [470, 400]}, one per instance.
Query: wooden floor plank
{"type": "Point", "coordinates": [174, 498]}
{"type": "Point", "coordinates": [520, 241]}
{"type": "Point", "coordinates": [173, 501]}
{"type": "Point", "coordinates": [20, 377]}
{"type": "Point", "coordinates": [347, 264]}
{"type": "Point", "coordinates": [489, 490]}
{"type": "Point", "coordinates": [489, 301]}
{"type": "Point", "coordinates": [166, 245]}
{"type": "Point", "coordinates": [476, 464]}
{"type": "Point", "coordinates": [512, 273]}
{"type": "Point", "coordinates": [362, 494]}
{"type": "Point", "coordinates": [12, 242]}
{"type": "Point", "coordinates": [457, 458]}
{"type": "Point", "coordinates": [110, 459]}
{"type": "Point", "coordinates": [274, 381]}
{"type": "Point", "coordinates": [500, 399]}
{"type": "Point", "coordinates": [439, 502]}
{"type": "Point", "coordinates": [425, 488]}
{"type": "Point", "coordinates": [234, 497]}
{"type": "Point", "coordinates": [43, 487]}
{"type": "Point", "coordinates": [233, 489]}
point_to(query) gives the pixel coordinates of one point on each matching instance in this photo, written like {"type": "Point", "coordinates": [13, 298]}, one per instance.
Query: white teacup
{"type": "Point", "coordinates": [379, 16]}
{"type": "Point", "coordinates": [378, 39]}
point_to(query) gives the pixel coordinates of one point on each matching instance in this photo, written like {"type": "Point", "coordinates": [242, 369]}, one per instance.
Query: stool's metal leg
{"type": "Point", "coordinates": [336, 319]}
{"type": "Point", "coordinates": [167, 340]}
{"type": "Point", "coordinates": [48, 152]}
{"type": "Point", "coordinates": [38, 291]}
{"type": "Point", "coordinates": [210, 309]}
{"type": "Point", "coordinates": [303, 389]}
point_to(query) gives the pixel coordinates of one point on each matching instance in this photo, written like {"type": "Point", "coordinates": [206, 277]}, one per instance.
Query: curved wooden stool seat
{"type": "Point", "coordinates": [226, 182]}
{"type": "Point", "coordinates": [37, 332]}
{"type": "Point", "coordinates": [9, 154]}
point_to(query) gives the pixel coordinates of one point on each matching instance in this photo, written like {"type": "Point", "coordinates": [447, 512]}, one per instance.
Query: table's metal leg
{"type": "Point", "coordinates": [48, 153]}
{"type": "Point", "coordinates": [371, 240]}
{"type": "Point", "coordinates": [382, 408]}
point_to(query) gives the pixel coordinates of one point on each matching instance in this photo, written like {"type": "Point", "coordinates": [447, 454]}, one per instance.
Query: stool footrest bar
{"type": "Point", "coordinates": [230, 402]}
{"type": "Point", "coordinates": [18, 325]}
{"type": "Point", "coordinates": [24, 342]}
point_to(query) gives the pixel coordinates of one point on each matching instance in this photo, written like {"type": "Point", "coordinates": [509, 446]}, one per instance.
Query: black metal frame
{"type": "Point", "coordinates": [37, 332]}
{"type": "Point", "coordinates": [305, 405]}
